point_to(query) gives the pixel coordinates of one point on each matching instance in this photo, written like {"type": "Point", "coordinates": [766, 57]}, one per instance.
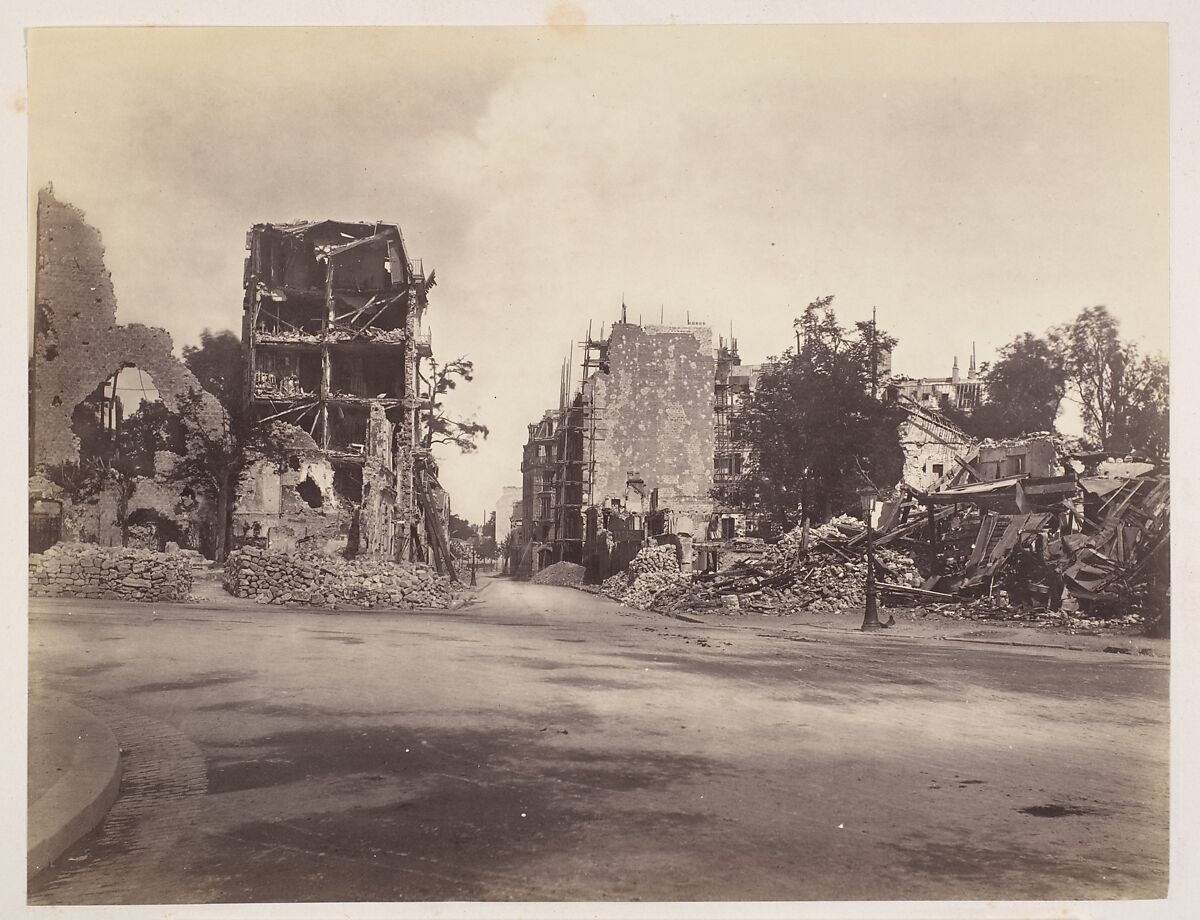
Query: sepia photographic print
{"type": "Point", "coordinates": [576, 462]}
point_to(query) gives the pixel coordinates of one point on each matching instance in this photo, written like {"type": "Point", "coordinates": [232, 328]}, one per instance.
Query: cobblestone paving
{"type": "Point", "coordinates": [163, 780]}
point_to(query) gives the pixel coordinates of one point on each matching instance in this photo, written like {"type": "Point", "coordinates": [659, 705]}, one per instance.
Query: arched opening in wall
{"type": "Point", "coordinates": [150, 529]}
{"type": "Point", "coordinates": [124, 429]}
{"type": "Point", "coordinates": [125, 416]}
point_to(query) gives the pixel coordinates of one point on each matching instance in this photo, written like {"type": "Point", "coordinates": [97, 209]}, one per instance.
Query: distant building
{"type": "Point", "coordinates": [509, 496]}
{"type": "Point", "coordinates": [631, 452]}
{"type": "Point", "coordinates": [551, 491]}
{"type": "Point", "coordinates": [954, 391]}
{"type": "Point", "coordinates": [734, 384]}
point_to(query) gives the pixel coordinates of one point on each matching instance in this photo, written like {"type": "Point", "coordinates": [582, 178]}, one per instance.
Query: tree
{"type": "Point", "coordinates": [459, 528]}
{"type": "Point", "coordinates": [1123, 395]}
{"type": "Point", "coordinates": [116, 459]}
{"type": "Point", "coordinates": [213, 464]}
{"type": "Point", "coordinates": [442, 428]}
{"type": "Point", "coordinates": [1023, 391]}
{"type": "Point", "coordinates": [812, 428]}
{"type": "Point", "coordinates": [217, 364]}
{"type": "Point", "coordinates": [214, 460]}
{"type": "Point", "coordinates": [488, 548]}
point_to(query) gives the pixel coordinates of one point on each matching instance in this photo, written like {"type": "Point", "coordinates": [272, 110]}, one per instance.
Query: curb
{"type": "Point", "coordinates": [78, 802]}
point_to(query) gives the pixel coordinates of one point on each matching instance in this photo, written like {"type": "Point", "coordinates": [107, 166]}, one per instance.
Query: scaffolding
{"type": "Point", "coordinates": [595, 360]}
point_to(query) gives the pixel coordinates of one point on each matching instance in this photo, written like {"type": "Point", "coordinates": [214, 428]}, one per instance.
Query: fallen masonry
{"type": "Point", "coordinates": [561, 573]}
{"type": "Point", "coordinates": [652, 573]}
{"type": "Point", "coordinates": [313, 579]}
{"type": "Point", "coordinates": [111, 572]}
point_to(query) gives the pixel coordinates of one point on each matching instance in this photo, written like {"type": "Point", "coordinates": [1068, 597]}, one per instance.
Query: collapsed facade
{"type": "Point", "coordinates": [333, 340]}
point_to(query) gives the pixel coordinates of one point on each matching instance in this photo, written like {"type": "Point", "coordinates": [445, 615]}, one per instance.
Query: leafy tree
{"type": "Point", "coordinates": [1022, 391]}
{"type": "Point", "coordinates": [489, 529]}
{"type": "Point", "coordinates": [812, 428]}
{"type": "Point", "coordinates": [116, 459]}
{"type": "Point", "coordinates": [1122, 394]}
{"type": "Point", "coordinates": [459, 528]}
{"type": "Point", "coordinates": [488, 548]}
{"type": "Point", "coordinates": [214, 460]}
{"type": "Point", "coordinates": [217, 364]}
{"type": "Point", "coordinates": [441, 427]}
{"type": "Point", "coordinates": [213, 464]}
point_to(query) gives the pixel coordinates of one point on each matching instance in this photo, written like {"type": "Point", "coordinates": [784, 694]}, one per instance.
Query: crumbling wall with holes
{"type": "Point", "coordinates": [929, 451]}
{"type": "Point", "coordinates": [159, 512]}
{"type": "Point", "coordinates": [655, 406]}
{"type": "Point", "coordinates": [77, 343]}
{"type": "Point", "coordinates": [294, 501]}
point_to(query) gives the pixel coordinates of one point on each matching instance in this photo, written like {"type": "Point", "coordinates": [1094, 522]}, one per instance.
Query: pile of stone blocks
{"type": "Point", "coordinates": [113, 572]}
{"type": "Point", "coordinates": [653, 570]}
{"type": "Point", "coordinates": [311, 579]}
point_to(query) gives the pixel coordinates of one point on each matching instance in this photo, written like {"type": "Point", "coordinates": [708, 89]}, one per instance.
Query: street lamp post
{"type": "Point", "coordinates": [871, 614]}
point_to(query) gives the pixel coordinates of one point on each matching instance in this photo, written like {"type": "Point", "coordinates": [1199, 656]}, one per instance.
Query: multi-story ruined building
{"type": "Point", "coordinates": [650, 404]}
{"type": "Point", "coordinates": [552, 501]}
{"type": "Point", "coordinates": [636, 440]}
{"type": "Point", "coordinates": [333, 339]}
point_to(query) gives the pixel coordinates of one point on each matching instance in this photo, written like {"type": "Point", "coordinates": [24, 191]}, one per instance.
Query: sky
{"type": "Point", "coordinates": [971, 182]}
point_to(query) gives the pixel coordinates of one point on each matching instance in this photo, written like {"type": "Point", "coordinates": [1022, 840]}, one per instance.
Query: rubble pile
{"type": "Point", "coordinates": [653, 570]}
{"type": "Point", "coordinates": [647, 589]}
{"type": "Point", "coordinates": [999, 607]}
{"type": "Point", "coordinates": [832, 585]}
{"type": "Point", "coordinates": [317, 580]}
{"type": "Point", "coordinates": [113, 572]}
{"type": "Point", "coordinates": [653, 559]}
{"type": "Point", "coordinates": [1075, 552]}
{"type": "Point", "coordinates": [561, 574]}
{"type": "Point", "coordinates": [785, 554]}
{"type": "Point", "coordinates": [829, 578]}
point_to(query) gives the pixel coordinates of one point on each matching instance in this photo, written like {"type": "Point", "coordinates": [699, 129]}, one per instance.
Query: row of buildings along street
{"type": "Point", "coordinates": [645, 452]}
{"type": "Point", "coordinates": [867, 599]}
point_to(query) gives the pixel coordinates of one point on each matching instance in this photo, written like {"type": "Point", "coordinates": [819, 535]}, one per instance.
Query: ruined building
{"type": "Point", "coordinates": [77, 342]}
{"type": "Point", "coordinates": [333, 340]}
{"type": "Point", "coordinates": [629, 453]}
{"type": "Point", "coordinates": [552, 487]}
{"type": "Point", "coordinates": [955, 391]}
{"type": "Point", "coordinates": [79, 351]}
{"type": "Point", "coordinates": [932, 444]}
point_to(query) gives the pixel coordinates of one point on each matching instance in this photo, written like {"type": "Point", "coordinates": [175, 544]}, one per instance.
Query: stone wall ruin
{"type": "Point", "coordinates": [77, 342]}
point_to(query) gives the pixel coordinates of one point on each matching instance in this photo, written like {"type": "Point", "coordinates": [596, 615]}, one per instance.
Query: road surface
{"type": "Point", "coordinates": [545, 744]}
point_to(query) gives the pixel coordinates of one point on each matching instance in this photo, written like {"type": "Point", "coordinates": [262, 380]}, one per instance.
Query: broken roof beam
{"type": "Point", "coordinates": [392, 233]}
